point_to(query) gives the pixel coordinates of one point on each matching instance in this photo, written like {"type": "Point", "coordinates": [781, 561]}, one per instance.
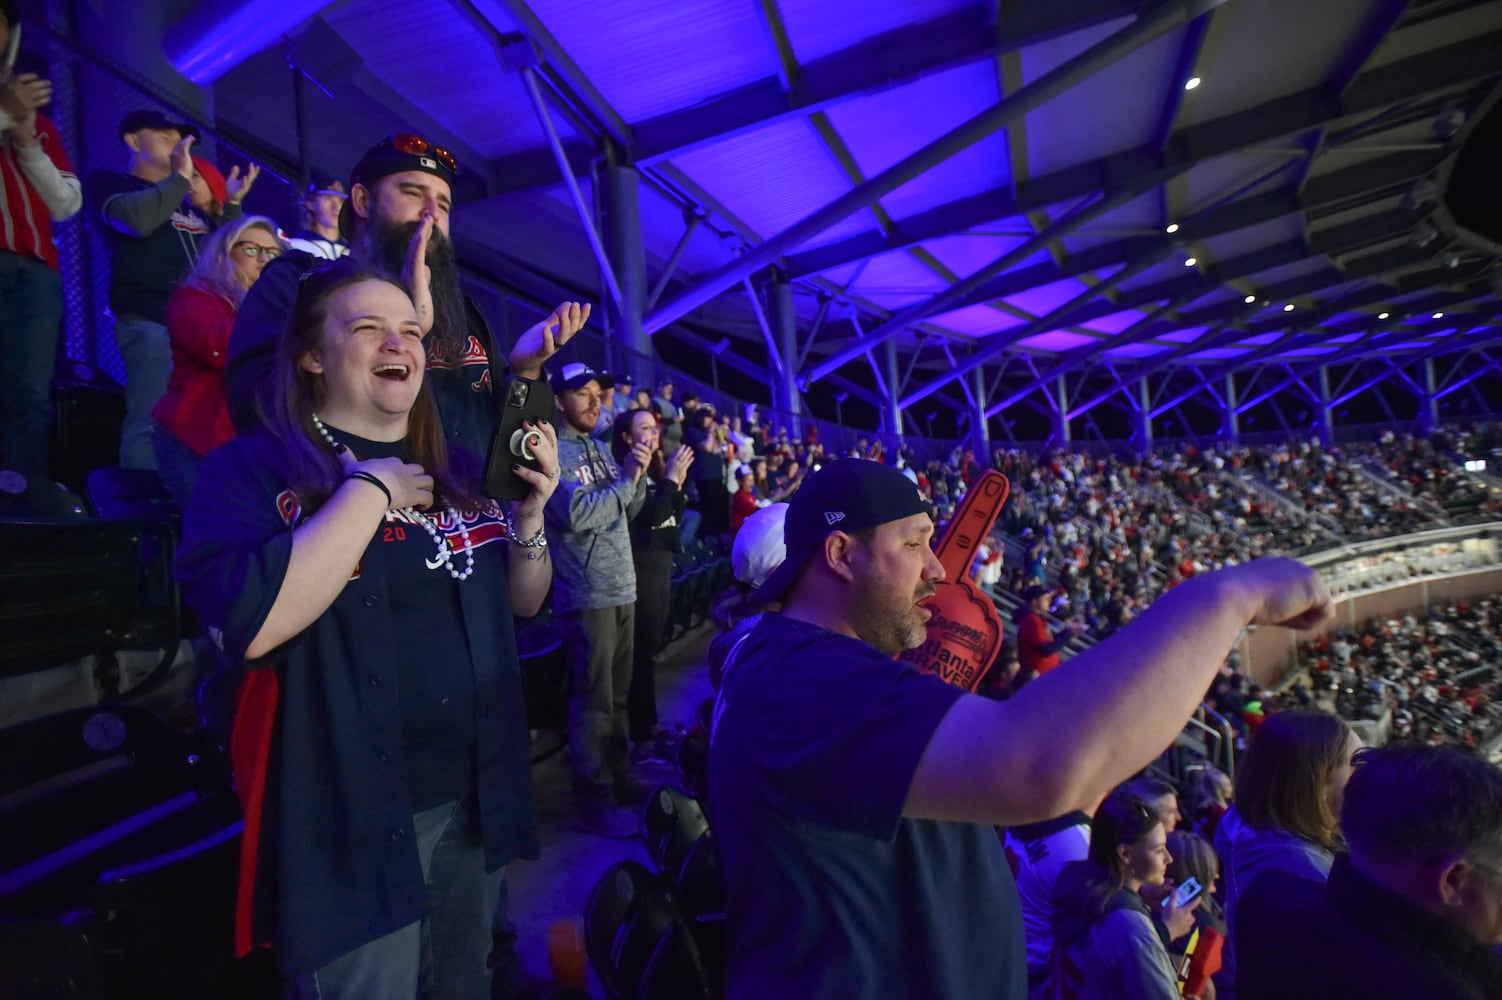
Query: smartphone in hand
{"type": "Point", "coordinates": [1187, 892]}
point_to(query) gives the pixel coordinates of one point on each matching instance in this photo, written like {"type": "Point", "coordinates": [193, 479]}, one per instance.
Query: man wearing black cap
{"type": "Point", "coordinates": [594, 592]}
{"type": "Point", "coordinates": [321, 206]}
{"type": "Point", "coordinates": [152, 235]}
{"type": "Point", "coordinates": [397, 219]}
{"type": "Point", "coordinates": [854, 798]}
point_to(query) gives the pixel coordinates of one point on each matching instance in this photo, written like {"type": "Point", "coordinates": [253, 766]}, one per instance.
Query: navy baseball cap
{"type": "Point", "coordinates": [574, 375]}
{"type": "Point", "coordinates": [849, 495]}
{"type": "Point", "coordinates": [134, 121]}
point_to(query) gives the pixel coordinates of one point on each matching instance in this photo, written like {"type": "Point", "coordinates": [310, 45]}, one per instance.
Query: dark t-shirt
{"type": "Point", "coordinates": [832, 892]}
{"type": "Point", "coordinates": [437, 683]}
{"type": "Point", "coordinates": [145, 270]}
{"type": "Point", "coordinates": [708, 465]}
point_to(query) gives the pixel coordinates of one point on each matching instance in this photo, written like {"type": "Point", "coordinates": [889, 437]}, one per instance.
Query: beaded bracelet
{"type": "Point", "coordinates": [537, 541]}
{"type": "Point", "coordinates": [367, 477]}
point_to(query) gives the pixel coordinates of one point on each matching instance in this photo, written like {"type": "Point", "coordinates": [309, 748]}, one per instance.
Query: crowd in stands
{"type": "Point", "coordinates": [1433, 680]}
{"type": "Point", "coordinates": [1099, 540]}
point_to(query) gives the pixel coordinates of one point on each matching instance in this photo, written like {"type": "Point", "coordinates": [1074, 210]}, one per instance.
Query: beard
{"type": "Point", "coordinates": [386, 245]}
{"type": "Point", "coordinates": [888, 621]}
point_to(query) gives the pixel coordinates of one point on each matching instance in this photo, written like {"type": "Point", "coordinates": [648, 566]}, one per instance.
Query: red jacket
{"type": "Point", "coordinates": [194, 408]}
{"type": "Point", "coordinates": [25, 222]}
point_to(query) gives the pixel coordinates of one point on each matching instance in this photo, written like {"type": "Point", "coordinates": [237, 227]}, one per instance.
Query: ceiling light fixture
{"type": "Point", "coordinates": [1173, 227]}
{"type": "Point", "coordinates": [1250, 299]}
{"type": "Point", "coordinates": [1288, 308]}
{"type": "Point", "coordinates": [1191, 83]}
{"type": "Point", "coordinates": [1383, 315]}
{"type": "Point", "coordinates": [1191, 261]}
{"type": "Point", "coordinates": [1439, 315]}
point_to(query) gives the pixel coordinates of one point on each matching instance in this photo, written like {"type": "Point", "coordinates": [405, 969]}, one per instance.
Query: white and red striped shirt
{"type": "Point", "coordinates": [25, 214]}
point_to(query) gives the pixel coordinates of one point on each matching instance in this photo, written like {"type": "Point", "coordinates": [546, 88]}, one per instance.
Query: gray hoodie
{"type": "Point", "coordinates": [1118, 955]}
{"type": "Point", "coordinates": [1246, 852]}
{"type": "Point", "coordinates": [587, 519]}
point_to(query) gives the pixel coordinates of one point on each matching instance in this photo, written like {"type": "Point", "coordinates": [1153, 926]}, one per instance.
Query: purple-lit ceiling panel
{"type": "Point", "coordinates": [752, 175]}
{"type": "Point", "coordinates": [1306, 352]}
{"type": "Point", "coordinates": [649, 57]}
{"type": "Point", "coordinates": [1135, 351]}
{"type": "Point", "coordinates": [473, 94]}
{"type": "Point", "coordinates": [1186, 335]}
{"type": "Point", "coordinates": [964, 255]}
{"type": "Point", "coordinates": [977, 321]}
{"type": "Point", "coordinates": [1110, 112]}
{"type": "Point", "coordinates": [819, 27]}
{"type": "Point", "coordinates": [215, 38]}
{"type": "Point", "coordinates": [1116, 322]}
{"type": "Point", "coordinates": [898, 273]}
{"type": "Point", "coordinates": [884, 128]}
{"type": "Point", "coordinates": [1046, 298]}
{"type": "Point", "coordinates": [1217, 354]}
{"type": "Point", "coordinates": [1056, 340]}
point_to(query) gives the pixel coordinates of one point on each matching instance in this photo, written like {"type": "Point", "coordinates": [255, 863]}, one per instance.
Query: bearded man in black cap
{"type": "Point", "coordinates": [396, 217]}
{"type": "Point", "coordinates": [855, 798]}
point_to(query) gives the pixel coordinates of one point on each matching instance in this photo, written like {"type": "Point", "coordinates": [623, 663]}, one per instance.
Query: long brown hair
{"type": "Point", "coordinates": [309, 466]}
{"type": "Point", "coordinates": [1281, 785]}
{"type": "Point", "coordinates": [657, 469]}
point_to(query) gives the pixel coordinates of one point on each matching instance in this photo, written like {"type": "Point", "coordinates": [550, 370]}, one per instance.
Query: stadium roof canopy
{"type": "Point", "coordinates": [1023, 189]}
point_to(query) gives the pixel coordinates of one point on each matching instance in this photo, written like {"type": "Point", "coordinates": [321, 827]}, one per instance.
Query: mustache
{"type": "Point", "coordinates": [388, 249]}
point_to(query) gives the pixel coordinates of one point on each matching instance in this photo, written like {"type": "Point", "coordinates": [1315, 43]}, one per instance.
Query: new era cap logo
{"type": "Point", "coordinates": [834, 516]}
{"type": "Point", "coordinates": [428, 163]}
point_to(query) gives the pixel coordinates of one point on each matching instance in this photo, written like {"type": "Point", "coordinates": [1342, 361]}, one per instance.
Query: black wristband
{"type": "Point", "coordinates": [370, 478]}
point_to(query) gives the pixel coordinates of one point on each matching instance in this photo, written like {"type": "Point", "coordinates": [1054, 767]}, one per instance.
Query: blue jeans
{"type": "Point", "coordinates": [444, 954]}
{"type": "Point", "coordinates": [31, 311]}
{"type": "Point", "coordinates": [147, 354]}
{"type": "Point", "coordinates": [176, 463]}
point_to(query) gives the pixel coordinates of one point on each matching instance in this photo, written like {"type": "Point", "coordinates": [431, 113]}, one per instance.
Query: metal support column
{"type": "Point", "coordinates": [1144, 415]}
{"type": "Point", "coordinates": [891, 413]}
{"type": "Point", "coordinates": [1061, 412]}
{"type": "Point", "coordinates": [1326, 412]}
{"type": "Point", "coordinates": [1429, 414]}
{"type": "Point", "coordinates": [621, 208]}
{"type": "Point", "coordinates": [784, 323]}
{"type": "Point", "coordinates": [980, 433]}
{"type": "Point", "coordinates": [1231, 425]}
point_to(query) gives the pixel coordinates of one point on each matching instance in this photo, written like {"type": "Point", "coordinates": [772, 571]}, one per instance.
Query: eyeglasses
{"type": "Point", "coordinates": [416, 145]}
{"type": "Point", "coordinates": [257, 252]}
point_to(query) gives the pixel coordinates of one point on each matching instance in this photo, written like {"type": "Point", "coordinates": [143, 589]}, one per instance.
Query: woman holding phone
{"type": "Point", "coordinates": [1107, 943]}
{"type": "Point", "coordinates": [350, 561]}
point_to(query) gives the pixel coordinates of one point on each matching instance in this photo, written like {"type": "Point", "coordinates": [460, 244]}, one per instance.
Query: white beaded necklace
{"type": "Point", "coordinates": [445, 552]}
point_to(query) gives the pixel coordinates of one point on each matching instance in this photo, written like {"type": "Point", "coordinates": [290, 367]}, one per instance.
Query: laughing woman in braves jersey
{"type": "Point", "coordinates": [380, 745]}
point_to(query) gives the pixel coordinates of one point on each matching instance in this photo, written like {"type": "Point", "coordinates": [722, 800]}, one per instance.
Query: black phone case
{"type": "Point", "coordinates": [526, 399]}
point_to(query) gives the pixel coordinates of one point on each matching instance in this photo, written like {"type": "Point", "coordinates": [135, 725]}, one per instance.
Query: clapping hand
{"type": "Point", "coordinates": [418, 276]}
{"type": "Point", "coordinates": [238, 185]}
{"type": "Point", "coordinates": [19, 99]}
{"type": "Point", "coordinates": [542, 341]}
{"type": "Point", "coordinates": [679, 463]}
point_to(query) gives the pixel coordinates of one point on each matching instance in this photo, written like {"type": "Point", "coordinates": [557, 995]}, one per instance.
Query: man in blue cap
{"type": "Point", "coordinates": [855, 798]}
